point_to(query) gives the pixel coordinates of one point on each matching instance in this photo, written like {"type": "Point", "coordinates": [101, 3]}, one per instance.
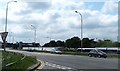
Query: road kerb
{"type": "Point", "coordinates": [41, 65]}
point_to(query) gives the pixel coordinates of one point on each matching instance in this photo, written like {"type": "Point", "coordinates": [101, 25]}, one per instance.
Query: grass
{"type": "Point", "coordinates": [20, 65]}
{"type": "Point", "coordinates": [113, 55]}
{"type": "Point", "coordinates": [11, 57]}
{"type": "Point", "coordinates": [0, 60]}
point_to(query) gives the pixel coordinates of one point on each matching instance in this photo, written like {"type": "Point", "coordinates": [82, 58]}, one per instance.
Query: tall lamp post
{"type": "Point", "coordinates": [7, 14]}
{"type": "Point", "coordinates": [4, 41]}
{"type": "Point", "coordinates": [6, 21]}
{"type": "Point", "coordinates": [34, 33]}
{"type": "Point", "coordinates": [81, 28]}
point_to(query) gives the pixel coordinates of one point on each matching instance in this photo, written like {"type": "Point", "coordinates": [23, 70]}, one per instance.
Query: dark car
{"type": "Point", "coordinates": [97, 53]}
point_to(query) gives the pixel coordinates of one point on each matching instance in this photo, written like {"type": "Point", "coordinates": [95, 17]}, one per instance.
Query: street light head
{"type": "Point", "coordinates": [15, 1]}
{"type": "Point", "coordinates": [76, 11]}
{"type": "Point", "coordinates": [11, 1]}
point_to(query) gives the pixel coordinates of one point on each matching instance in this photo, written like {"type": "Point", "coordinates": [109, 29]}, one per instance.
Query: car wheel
{"type": "Point", "coordinates": [90, 55]}
{"type": "Point", "coordinates": [99, 56]}
{"type": "Point", "coordinates": [105, 56]}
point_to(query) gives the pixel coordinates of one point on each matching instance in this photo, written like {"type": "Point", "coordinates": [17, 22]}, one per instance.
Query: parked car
{"type": "Point", "coordinates": [56, 51]}
{"type": "Point", "coordinates": [97, 53]}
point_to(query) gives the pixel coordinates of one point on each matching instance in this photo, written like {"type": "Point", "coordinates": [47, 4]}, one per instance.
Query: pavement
{"type": "Point", "coordinates": [73, 62]}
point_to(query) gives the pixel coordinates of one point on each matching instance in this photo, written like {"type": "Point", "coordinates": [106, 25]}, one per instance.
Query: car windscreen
{"type": "Point", "coordinates": [100, 51]}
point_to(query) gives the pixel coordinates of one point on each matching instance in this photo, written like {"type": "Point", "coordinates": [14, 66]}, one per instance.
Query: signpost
{"type": "Point", "coordinates": [4, 36]}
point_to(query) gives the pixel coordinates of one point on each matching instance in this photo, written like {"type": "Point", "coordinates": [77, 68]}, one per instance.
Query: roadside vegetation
{"type": "Point", "coordinates": [75, 42]}
{"type": "Point", "coordinates": [0, 60]}
{"type": "Point", "coordinates": [20, 62]}
{"type": "Point", "coordinates": [22, 65]}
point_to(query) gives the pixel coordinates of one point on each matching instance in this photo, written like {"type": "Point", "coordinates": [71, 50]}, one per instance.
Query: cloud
{"type": "Point", "coordinates": [42, 6]}
{"type": "Point", "coordinates": [58, 20]}
{"type": "Point", "coordinates": [110, 7]}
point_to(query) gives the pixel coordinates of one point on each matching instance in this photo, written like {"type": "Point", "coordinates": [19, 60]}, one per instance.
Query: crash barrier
{"type": "Point", "coordinates": [107, 50]}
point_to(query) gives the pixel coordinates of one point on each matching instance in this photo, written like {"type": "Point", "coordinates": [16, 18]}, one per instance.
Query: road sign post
{"type": "Point", "coordinates": [4, 36]}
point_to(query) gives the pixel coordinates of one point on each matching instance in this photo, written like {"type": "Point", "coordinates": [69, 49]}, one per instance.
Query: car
{"type": "Point", "coordinates": [97, 53]}
{"type": "Point", "coordinates": [56, 51]}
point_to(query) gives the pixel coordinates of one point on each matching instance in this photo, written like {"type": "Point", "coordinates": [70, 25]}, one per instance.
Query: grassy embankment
{"type": "Point", "coordinates": [19, 65]}
{"type": "Point", "coordinates": [0, 60]}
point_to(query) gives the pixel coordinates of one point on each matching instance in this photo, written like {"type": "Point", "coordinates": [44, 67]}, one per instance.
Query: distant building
{"type": "Point", "coordinates": [19, 45]}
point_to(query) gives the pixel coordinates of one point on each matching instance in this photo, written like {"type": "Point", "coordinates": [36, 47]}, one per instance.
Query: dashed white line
{"type": "Point", "coordinates": [57, 66]}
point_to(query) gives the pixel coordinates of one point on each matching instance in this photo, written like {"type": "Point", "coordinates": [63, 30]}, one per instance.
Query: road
{"type": "Point", "coordinates": [56, 61]}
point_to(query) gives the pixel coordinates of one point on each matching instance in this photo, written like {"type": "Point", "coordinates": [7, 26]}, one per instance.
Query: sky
{"type": "Point", "coordinates": [57, 19]}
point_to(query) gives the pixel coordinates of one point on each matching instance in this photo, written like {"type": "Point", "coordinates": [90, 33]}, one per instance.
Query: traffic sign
{"type": "Point", "coordinates": [4, 35]}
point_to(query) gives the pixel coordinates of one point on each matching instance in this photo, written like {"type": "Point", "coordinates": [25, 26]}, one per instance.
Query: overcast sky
{"type": "Point", "coordinates": [57, 19]}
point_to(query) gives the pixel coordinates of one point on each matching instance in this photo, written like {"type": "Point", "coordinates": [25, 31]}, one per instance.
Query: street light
{"type": "Point", "coordinates": [4, 41]}
{"type": "Point", "coordinates": [7, 14]}
{"type": "Point", "coordinates": [81, 28]}
{"type": "Point", "coordinates": [6, 21]}
{"type": "Point", "coordinates": [34, 34]}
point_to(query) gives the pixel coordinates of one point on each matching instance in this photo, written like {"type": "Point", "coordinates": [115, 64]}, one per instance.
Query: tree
{"type": "Point", "coordinates": [73, 42]}
{"type": "Point", "coordinates": [68, 43]}
{"type": "Point", "coordinates": [60, 43]}
{"type": "Point", "coordinates": [88, 43]}
{"type": "Point", "coordinates": [116, 44]}
{"type": "Point", "coordinates": [53, 43]}
{"type": "Point", "coordinates": [46, 45]}
{"type": "Point", "coordinates": [107, 43]}
{"type": "Point", "coordinates": [99, 43]}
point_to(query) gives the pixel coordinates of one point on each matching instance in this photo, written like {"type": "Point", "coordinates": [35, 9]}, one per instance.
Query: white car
{"type": "Point", "coordinates": [56, 51]}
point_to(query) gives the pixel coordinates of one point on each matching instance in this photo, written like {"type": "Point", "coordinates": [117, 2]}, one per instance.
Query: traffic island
{"type": "Point", "coordinates": [18, 62]}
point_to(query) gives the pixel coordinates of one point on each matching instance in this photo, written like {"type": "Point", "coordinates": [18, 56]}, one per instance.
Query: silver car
{"type": "Point", "coordinates": [56, 51]}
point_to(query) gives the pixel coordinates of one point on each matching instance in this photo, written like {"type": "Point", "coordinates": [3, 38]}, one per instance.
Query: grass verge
{"type": "Point", "coordinates": [20, 65]}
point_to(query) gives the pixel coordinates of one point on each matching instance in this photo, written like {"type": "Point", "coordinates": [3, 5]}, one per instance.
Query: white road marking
{"type": "Point", "coordinates": [57, 66]}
